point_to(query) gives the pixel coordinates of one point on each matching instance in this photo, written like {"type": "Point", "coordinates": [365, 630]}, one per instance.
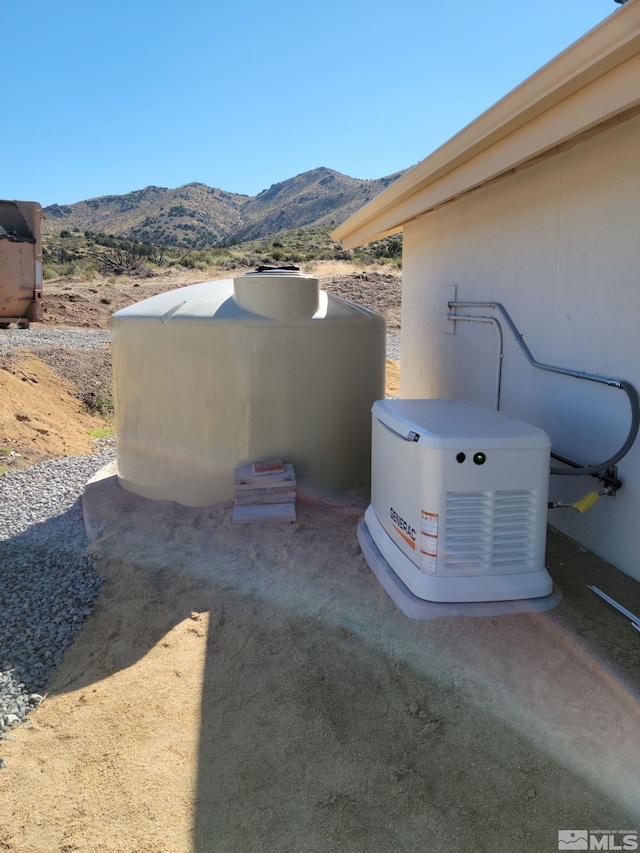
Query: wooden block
{"type": "Point", "coordinates": [255, 489]}
{"type": "Point", "coordinates": [268, 514]}
{"type": "Point", "coordinates": [268, 466]}
{"type": "Point", "coordinates": [279, 498]}
{"type": "Point", "coordinates": [245, 476]}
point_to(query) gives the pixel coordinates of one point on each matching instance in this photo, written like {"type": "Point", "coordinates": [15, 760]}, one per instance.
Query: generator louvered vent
{"type": "Point", "coordinates": [490, 532]}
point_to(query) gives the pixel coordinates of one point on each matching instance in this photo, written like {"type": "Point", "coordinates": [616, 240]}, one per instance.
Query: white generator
{"type": "Point", "coordinates": [459, 500]}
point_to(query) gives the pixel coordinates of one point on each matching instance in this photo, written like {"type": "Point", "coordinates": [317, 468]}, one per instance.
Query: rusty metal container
{"type": "Point", "coordinates": [20, 262]}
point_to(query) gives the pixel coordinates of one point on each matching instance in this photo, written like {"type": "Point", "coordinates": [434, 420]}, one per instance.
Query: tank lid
{"type": "Point", "coordinates": [281, 293]}
{"type": "Point", "coordinates": [266, 268]}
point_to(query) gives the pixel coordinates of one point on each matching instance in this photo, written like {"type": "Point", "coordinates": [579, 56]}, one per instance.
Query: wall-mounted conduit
{"type": "Point", "coordinates": [469, 318]}
{"type": "Point", "coordinates": [574, 468]}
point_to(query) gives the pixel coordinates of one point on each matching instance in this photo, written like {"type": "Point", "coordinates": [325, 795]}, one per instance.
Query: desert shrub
{"type": "Point", "coordinates": [196, 260]}
{"type": "Point", "coordinates": [67, 269]}
{"type": "Point", "coordinates": [151, 248]}
{"type": "Point", "coordinates": [98, 400]}
{"type": "Point", "coordinates": [120, 255]}
{"type": "Point", "coordinates": [386, 250]}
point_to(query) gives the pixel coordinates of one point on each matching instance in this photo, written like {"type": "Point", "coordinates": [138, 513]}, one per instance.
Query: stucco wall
{"type": "Point", "coordinates": [559, 245]}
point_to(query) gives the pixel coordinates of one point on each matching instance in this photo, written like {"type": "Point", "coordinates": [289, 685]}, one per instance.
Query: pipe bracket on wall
{"type": "Point", "coordinates": [447, 327]}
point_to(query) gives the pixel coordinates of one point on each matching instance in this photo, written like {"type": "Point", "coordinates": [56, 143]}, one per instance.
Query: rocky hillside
{"type": "Point", "coordinates": [197, 216]}
{"type": "Point", "coordinates": [193, 215]}
{"type": "Point", "coordinates": [319, 197]}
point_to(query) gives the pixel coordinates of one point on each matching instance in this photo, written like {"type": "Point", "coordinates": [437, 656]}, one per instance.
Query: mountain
{"type": "Point", "coordinates": [319, 197]}
{"type": "Point", "coordinates": [197, 216]}
{"type": "Point", "coordinates": [193, 215]}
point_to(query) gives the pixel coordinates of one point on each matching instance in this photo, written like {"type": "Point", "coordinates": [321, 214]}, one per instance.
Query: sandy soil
{"type": "Point", "coordinates": [393, 378]}
{"type": "Point", "coordinates": [255, 690]}
{"type": "Point", "coordinates": [40, 415]}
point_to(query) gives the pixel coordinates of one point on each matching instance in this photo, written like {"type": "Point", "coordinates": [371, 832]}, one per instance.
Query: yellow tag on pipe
{"type": "Point", "coordinates": [586, 502]}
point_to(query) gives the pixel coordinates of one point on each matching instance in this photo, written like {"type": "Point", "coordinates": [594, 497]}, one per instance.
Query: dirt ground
{"type": "Point", "coordinates": [90, 304]}
{"type": "Point", "coordinates": [40, 413]}
{"type": "Point", "coordinates": [255, 691]}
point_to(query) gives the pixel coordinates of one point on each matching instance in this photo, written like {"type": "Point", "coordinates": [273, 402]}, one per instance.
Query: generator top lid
{"type": "Point", "coordinates": [457, 425]}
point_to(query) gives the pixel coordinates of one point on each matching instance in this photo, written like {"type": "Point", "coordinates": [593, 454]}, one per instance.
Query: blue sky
{"type": "Point", "coordinates": [107, 96]}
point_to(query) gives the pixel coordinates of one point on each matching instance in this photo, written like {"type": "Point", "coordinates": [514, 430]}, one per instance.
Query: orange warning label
{"type": "Point", "coordinates": [428, 542]}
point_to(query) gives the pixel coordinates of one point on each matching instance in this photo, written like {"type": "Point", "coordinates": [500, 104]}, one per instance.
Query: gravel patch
{"type": "Point", "coordinates": [42, 336]}
{"type": "Point", "coordinates": [393, 347]}
{"type": "Point", "coordinates": [36, 338]}
{"type": "Point", "coordinates": [48, 585]}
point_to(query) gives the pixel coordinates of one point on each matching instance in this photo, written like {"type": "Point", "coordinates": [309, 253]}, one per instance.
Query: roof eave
{"type": "Point", "coordinates": [607, 46]}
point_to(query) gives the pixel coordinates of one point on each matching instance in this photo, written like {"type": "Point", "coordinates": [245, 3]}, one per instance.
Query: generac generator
{"type": "Point", "coordinates": [459, 500]}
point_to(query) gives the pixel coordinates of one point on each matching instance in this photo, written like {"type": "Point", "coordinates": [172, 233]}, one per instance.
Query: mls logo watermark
{"type": "Point", "coordinates": [597, 839]}
{"type": "Point", "coordinates": [573, 839]}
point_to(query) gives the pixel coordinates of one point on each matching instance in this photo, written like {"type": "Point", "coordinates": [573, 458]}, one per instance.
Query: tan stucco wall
{"type": "Point", "coordinates": [557, 244]}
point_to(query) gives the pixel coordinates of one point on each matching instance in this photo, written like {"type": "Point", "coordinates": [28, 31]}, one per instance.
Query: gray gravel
{"type": "Point", "coordinates": [83, 338]}
{"type": "Point", "coordinates": [393, 347]}
{"type": "Point", "coordinates": [48, 585]}
{"type": "Point", "coordinates": [41, 336]}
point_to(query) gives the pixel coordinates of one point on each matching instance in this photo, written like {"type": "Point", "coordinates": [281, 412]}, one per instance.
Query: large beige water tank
{"type": "Point", "coordinates": [220, 374]}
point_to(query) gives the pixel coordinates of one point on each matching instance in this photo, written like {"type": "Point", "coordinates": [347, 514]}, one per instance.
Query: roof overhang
{"type": "Point", "coordinates": [593, 84]}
